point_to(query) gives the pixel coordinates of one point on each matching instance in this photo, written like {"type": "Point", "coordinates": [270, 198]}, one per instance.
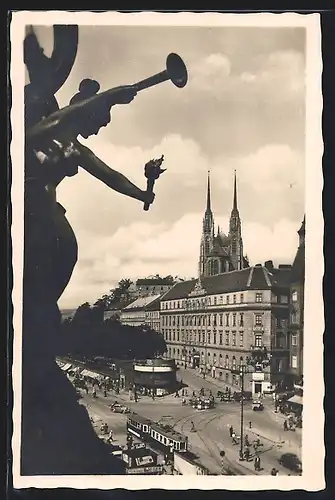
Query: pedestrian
{"type": "Point", "coordinates": [231, 430]}
{"type": "Point", "coordinates": [274, 471]}
{"type": "Point", "coordinates": [234, 440]}
{"type": "Point", "coordinates": [193, 426]}
{"type": "Point", "coordinates": [240, 455]}
{"type": "Point", "coordinates": [182, 392]}
{"type": "Point", "coordinates": [257, 464]}
{"type": "Point", "coordinates": [110, 436]}
{"type": "Point", "coordinates": [250, 424]}
{"type": "Point", "coordinates": [105, 393]}
{"type": "Point", "coordinates": [285, 425]}
{"type": "Point", "coordinates": [247, 453]}
{"type": "Point", "coordinates": [246, 440]}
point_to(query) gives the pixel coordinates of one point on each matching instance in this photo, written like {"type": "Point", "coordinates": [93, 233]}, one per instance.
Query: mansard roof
{"type": "Point", "coordinates": [251, 278]}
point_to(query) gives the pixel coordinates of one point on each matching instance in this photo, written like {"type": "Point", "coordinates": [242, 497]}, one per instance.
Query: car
{"type": "Point", "coordinates": [257, 406]}
{"type": "Point", "coordinates": [291, 461]}
{"type": "Point", "coordinates": [116, 408]}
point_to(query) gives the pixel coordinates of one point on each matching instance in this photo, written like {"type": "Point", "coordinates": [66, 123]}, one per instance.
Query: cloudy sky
{"type": "Point", "coordinates": [243, 108]}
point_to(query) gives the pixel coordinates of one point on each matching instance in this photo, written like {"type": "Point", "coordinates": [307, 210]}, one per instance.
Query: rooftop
{"type": "Point", "coordinates": [153, 281]}
{"type": "Point", "coordinates": [251, 278]}
{"type": "Point", "coordinates": [143, 302]}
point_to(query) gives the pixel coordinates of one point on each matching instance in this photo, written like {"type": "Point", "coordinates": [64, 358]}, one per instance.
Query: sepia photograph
{"type": "Point", "coordinates": [167, 250]}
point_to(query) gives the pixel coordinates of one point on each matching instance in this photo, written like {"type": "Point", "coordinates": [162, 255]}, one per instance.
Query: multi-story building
{"type": "Point", "coordinates": [143, 311]}
{"type": "Point", "coordinates": [214, 323]}
{"type": "Point", "coordinates": [296, 317]}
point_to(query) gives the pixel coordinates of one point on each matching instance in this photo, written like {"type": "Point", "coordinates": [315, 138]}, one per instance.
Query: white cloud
{"type": "Point", "coordinates": [167, 250]}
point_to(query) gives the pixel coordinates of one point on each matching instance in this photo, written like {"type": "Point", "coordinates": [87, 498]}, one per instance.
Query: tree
{"type": "Point", "coordinates": [83, 313]}
{"type": "Point", "coordinates": [109, 339]}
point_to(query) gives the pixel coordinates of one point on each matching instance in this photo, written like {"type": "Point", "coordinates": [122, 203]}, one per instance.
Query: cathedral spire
{"type": "Point", "coordinates": [208, 192]}
{"type": "Point", "coordinates": [235, 192]}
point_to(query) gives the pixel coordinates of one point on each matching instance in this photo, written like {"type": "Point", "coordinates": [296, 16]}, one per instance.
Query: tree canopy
{"type": "Point", "coordinates": [87, 335]}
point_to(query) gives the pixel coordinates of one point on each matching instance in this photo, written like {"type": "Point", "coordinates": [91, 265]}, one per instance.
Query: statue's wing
{"type": "Point", "coordinates": [48, 74]}
{"type": "Point", "coordinates": [64, 53]}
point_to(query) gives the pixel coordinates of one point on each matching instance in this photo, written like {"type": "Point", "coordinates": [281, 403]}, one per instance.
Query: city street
{"type": "Point", "coordinates": [212, 426]}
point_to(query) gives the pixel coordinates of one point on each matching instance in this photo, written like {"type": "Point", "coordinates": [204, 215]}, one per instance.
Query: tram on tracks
{"type": "Point", "coordinates": [163, 438]}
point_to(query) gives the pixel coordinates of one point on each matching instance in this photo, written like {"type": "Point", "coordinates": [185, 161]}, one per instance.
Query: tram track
{"type": "Point", "coordinates": [212, 447]}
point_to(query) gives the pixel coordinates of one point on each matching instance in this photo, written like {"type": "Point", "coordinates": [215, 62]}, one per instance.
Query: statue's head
{"type": "Point", "coordinates": [100, 116]}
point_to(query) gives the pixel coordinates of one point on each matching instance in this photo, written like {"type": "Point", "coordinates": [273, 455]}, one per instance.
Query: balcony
{"type": "Point", "coordinates": [258, 349]}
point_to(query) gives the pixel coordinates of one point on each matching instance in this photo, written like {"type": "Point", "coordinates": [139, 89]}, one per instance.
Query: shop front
{"type": "Point", "coordinates": [260, 384]}
{"type": "Point", "coordinates": [158, 375]}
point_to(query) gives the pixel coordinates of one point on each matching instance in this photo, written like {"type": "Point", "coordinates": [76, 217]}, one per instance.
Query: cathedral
{"type": "Point", "coordinates": [221, 253]}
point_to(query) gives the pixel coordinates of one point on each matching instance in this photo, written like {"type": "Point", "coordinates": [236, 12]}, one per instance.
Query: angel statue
{"type": "Point", "coordinates": [57, 434]}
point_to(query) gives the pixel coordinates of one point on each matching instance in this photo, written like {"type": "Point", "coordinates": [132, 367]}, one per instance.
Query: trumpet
{"type": "Point", "coordinates": [175, 71]}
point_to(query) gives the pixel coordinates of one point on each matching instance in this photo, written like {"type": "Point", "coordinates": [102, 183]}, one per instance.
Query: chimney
{"type": "Point", "coordinates": [269, 265]}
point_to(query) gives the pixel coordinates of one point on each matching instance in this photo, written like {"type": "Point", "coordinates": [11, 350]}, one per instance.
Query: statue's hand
{"type": "Point", "coordinates": [148, 197]}
{"type": "Point", "coordinates": [123, 94]}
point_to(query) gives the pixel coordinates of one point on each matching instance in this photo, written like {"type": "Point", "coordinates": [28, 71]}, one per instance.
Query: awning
{"type": "Point", "coordinates": [88, 373]}
{"type": "Point", "coordinates": [296, 399]}
{"type": "Point", "coordinates": [77, 369]}
{"type": "Point", "coordinates": [66, 367]}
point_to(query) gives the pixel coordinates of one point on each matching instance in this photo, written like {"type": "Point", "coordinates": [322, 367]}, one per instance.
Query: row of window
{"type": "Point", "coordinates": [216, 300]}
{"type": "Point", "coordinates": [222, 360]}
{"type": "Point", "coordinates": [200, 338]}
{"type": "Point", "coordinates": [227, 319]}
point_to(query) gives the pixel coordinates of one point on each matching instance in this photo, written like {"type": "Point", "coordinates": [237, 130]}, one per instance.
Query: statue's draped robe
{"type": "Point", "coordinates": [57, 434]}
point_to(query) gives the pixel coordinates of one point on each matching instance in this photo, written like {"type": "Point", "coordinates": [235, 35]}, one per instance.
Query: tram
{"type": "Point", "coordinates": [163, 438]}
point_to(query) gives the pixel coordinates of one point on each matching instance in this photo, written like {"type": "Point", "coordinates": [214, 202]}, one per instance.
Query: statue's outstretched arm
{"type": "Point", "coordinates": [113, 179]}
{"type": "Point", "coordinates": [66, 123]}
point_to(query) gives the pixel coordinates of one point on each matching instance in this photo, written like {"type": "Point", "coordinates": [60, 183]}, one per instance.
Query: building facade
{"type": "Point", "coordinates": [143, 311]}
{"type": "Point", "coordinates": [219, 252]}
{"type": "Point", "coordinates": [296, 318]}
{"type": "Point", "coordinates": [212, 324]}
{"type": "Point", "coordinates": [158, 374]}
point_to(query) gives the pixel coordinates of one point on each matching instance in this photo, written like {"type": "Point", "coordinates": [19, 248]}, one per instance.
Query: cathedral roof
{"type": "Point", "coordinates": [225, 240]}
{"type": "Point", "coordinates": [251, 278]}
{"type": "Point", "coordinates": [218, 250]}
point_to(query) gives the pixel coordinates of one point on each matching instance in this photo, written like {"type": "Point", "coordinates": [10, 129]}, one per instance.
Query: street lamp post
{"type": "Point", "coordinates": [258, 358]}
{"type": "Point", "coordinates": [242, 370]}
